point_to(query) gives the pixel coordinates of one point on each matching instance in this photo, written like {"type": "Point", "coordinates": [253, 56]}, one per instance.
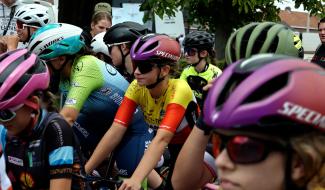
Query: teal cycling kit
{"type": "Point", "coordinates": [96, 90]}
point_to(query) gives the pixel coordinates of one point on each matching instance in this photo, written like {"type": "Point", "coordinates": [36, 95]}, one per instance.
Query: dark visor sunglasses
{"type": "Point", "coordinates": [10, 113]}
{"type": "Point", "coordinates": [144, 66]}
{"type": "Point", "coordinates": [190, 51]}
{"type": "Point", "coordinates": [248, 150]}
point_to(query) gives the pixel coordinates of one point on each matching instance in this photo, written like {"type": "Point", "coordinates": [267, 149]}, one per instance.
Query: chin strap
{"type": "Point", "coordinates": [122, 68]}
{"type": "Point", "coordinates": [158, 80]}
{"type": "Point", "coordinates": [289, 184]}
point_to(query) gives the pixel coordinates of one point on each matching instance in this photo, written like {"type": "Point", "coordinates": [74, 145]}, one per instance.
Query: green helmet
{"type": "Point", "coordinates": [265, 37]}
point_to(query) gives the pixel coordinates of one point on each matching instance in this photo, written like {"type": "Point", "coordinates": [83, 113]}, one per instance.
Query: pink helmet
{"type": "Point", "coordinates": [158, 48]}
{"type": "Point", "coordinates": [21, 74]}
{"type": "Point", "coordinates": [268, 93]}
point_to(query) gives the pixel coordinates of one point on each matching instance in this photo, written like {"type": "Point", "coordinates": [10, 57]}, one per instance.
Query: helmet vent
{"type": "Point", "coordinates": [232, 83]}
{"type": "Point", "coordinates": [274, 45]}
{"type": "Point", "coordinates": [151, 46]}
{"type": "Point", "coordinates": [258, 43]}
{"type": "Point", "coordinates": [268, 89]}
{"type": "Point", "coordinates": [45, 52]}
{"type": "Point", "coordinates": [244, 42]}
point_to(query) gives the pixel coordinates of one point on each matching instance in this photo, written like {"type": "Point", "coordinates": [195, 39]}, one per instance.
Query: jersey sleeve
{"type": "Point", "coordinates": [181, 96]}
{"type": "Point", "coordinates": [59, 145]}
{"type": "Point", "coordinates": [85, 78]}
{"type": "Point", "coordinates": [125, 112]}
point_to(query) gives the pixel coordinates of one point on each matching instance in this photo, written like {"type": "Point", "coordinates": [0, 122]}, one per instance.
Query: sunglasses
{"type": "Point", "coordinates": [144, 66]}
{"type": "Point", "coordinates": [190, 51]}
{"type": "Point", "coordinates": [110, 46]}
{"type": "Point", "coordinates": [10, 113]}
{"type": "Point", "coordinates": [247, 150]}
{"type": "Point", "coordinates": [20, 25]}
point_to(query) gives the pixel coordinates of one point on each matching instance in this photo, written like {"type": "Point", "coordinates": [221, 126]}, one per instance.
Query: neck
{"type": "Point", "coordinates": [128, 65]}
{"type": "Point", "coordinates": [158, 90]}
{"type": "Point", "coordinates": [200, 67]}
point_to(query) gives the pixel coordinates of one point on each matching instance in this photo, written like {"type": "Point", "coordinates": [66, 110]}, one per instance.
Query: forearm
{"type": "Point", "coordinates": [150, 159]}
{"type": "Point", "coordinates": [190, 161]}
{"type": "Point", "coordinates": [62, 184]}
{"type": "Point", "coordinates": [106, 145]}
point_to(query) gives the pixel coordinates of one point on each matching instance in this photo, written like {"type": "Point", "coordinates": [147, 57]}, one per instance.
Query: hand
{"type": "Point", "coordinates": [130, 184]}
{"type": "Point", "coordinates": [11, 41]}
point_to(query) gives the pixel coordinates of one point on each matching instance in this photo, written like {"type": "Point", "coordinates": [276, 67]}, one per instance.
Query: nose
{"type": "Point", "coordinates": [223, 161]}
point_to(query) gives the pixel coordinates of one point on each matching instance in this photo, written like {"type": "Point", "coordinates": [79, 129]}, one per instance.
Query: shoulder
{"type": "Point", "coordinates": [179, 87]}
{"type": "Point", "coordinates": [215, 69]}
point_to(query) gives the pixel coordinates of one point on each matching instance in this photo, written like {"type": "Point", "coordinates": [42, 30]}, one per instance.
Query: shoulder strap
{"type": "Point", "coordinates": [12, 12]}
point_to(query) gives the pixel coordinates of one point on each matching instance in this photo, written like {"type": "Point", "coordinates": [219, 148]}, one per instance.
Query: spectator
{"type": "Point", "coordinates": [100, 22]}
{"type": "Point", "coordinates": [319, 57]}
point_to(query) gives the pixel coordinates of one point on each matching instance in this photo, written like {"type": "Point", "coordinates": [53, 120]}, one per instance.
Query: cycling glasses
{"type": "Point", "coordinates": [110, 46]}
{"type": "Point", "coordinates": [20, 25]}
{"type": "Point", "coordinates": [144, 66]}
{"type": "Point", "coordinates": [10, 113]}
{"type": "Point", "coordinates": [190, 51]}
{"type": "Point", "coordinates": [248, 150]}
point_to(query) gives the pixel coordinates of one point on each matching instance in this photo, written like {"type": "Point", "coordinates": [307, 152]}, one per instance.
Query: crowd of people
{"type": "Point", "coordinates": [105, 101]}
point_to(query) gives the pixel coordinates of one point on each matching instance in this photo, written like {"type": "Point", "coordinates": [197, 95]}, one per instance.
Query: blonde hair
{"type": "Point", "coordinates": [310, 148]}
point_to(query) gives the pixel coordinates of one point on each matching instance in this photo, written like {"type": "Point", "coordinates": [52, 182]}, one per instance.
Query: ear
{"type": "Point", "coordinates": [34, 99]}
{"type": "Point", "coordinates": [124, 48]}
{"type": "Point", "coordinates": [62, 59]}
{"type": "Point", "coordinates": [297, 168]}
{"type": "Point", "coordinates": [204, 53]}
{"type": "Point", "coordinates": [165, 70]}
{"type": "Point", "coordinates": [92, 25]}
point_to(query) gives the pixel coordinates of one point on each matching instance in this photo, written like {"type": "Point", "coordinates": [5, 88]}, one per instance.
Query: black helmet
{"type": "Point", "coordinates": [199, 39]}
{"type": "Point", "coordinates": [124, 32]}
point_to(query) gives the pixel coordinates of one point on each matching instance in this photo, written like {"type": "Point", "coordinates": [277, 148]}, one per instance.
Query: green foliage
{"type": "Point", "coordinates": [215, 13]}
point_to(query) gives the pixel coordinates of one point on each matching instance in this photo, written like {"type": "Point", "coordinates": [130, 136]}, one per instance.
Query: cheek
{"type": "Point", "coordinates": [272, 169]}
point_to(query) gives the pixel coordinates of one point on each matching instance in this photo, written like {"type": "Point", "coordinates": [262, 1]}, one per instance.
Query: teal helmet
{"type": "Point", "coordinates": [264, 37]}
{"type": "Point", "coordinates": [56, 39]}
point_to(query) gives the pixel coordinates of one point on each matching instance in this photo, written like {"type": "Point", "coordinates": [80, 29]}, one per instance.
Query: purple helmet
{"type": "Point", "coordinates": [266, 92]}
{"type": "Point", "coordinates": [158, 48]}
{"type": "Point", "coordinates": [21, 74]}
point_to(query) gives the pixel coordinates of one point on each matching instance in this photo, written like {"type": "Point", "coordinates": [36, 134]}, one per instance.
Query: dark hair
{"type": "Point", "coordinates": [100, 16]}
{"type": "Point", "coordinates": [321, 21]}
{"type": "Point", "coordinates": [49, 100]}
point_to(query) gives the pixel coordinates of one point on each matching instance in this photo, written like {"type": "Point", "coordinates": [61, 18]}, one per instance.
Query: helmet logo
{"type": "Point", "coordinates": [303, 114]}
{"type": "Point", "coordinates": [50, 43]}
{"type": "Point", "coordinates": [166, 55]}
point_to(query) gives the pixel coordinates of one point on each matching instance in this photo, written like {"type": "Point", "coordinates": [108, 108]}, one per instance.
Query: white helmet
{"type": "Point", "coordinates": [34, 15]}
{"type": "Point", "coordinates": [98, 45]}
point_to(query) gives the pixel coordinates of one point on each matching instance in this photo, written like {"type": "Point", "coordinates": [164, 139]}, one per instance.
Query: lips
{"type": "Point", "coordinates": [228, 185]}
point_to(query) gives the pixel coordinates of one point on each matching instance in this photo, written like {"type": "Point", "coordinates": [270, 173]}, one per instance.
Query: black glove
{"type": "Point", "coordinates": [201, 125]}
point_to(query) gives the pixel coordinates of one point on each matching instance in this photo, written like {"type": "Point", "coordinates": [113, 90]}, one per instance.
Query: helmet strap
{"type": "Point", "coordinates": [289, 184]}
{"type": "Point", "coordinates": [158, 80]}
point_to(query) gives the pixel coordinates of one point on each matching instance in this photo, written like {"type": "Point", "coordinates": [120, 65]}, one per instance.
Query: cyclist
{"type": "Point", "coordinates": [29, 18]}
{"type": "Point", "coordinates": [271, 124]}
{"type": "Point", "coordinates": [169, 105]}
{"type": "Point", "coordinates": [200, 55]}
{"type": "Point", "coordinates": [38, 147]}
{"type": "Point", "coordinates": [278, 39]}
{"type": "Point", "coordinates": [119, 39]}
{"type": "Point", "coordinates": [91, 92]}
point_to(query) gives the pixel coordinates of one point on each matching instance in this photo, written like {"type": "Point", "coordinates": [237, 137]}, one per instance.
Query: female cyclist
{"type": "Point", "coordinates": [269, 113]}
{"type": "Point", "coordinates": [119, 40]}
{"type": "Point", "coordinates": [239, 45]}
{"type": "Point", "coordinates": [37, 145]}
{"type": "Point", "coordinates": [168, 104]}
{"type": "Point", "coordinates": [92, 92]}
{"type": "Point", "coordinates": [199, 53]}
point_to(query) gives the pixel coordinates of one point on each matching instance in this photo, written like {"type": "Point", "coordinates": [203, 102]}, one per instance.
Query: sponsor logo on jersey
{"type": "Point", "coordinates": [123, 172]}
{"type": "Point", "coordinates": [27, 180]}
{"type": "Point", "coordinates": [71, 101]}
{"type": "Point", "coordinates": [166, 55]}
{"type": "Point", "coordinates": [78, 67]}
{"type": "Point", "coordinates": [303, 114]}
{"type": "Point", "coordinates": [75, 84]}
{"type": "Point", "coordinates": [50, 43]}
{"type": "Point", "coordinates": [35, 143]}
{"type": "Point", "coordinates": [15, 161]}
{"type": "Point", "coordinates": [110, 69]}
